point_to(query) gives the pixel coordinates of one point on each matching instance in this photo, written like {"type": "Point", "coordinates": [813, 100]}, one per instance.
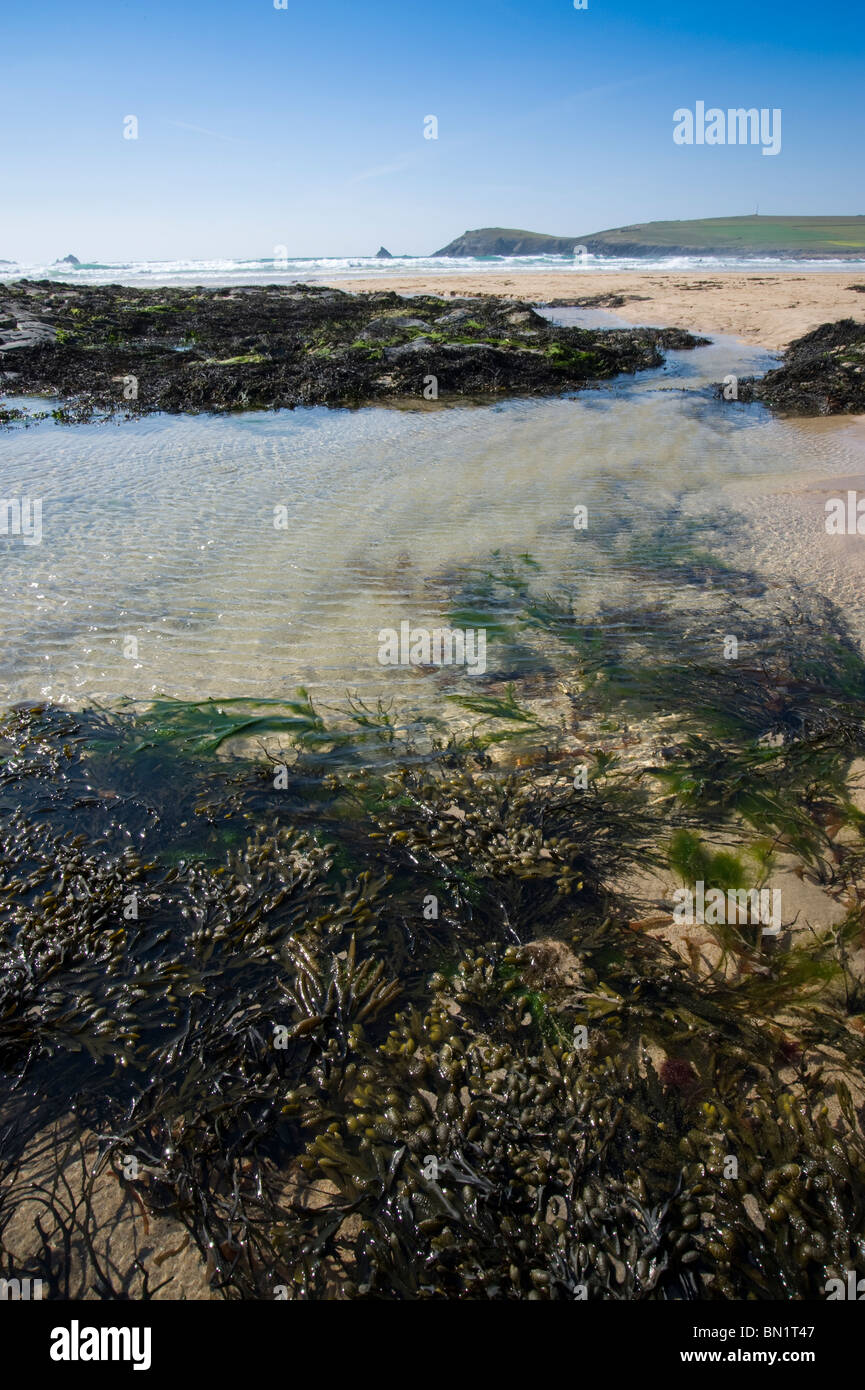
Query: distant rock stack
{"type": "Point", "coordinates": [68, 260]}
{"type": "Point", "coordinates": [382, 254]}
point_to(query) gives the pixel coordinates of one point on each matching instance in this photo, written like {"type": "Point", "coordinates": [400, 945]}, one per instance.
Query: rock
{"type": "Point", "coordinates": [19, 328]}
{"type": "Point", "coordinates": [506, 241]}
{"type": "Point", "coordinates": [68, 260]}
{"type": "Point", "coordinates": [29, 334]}
{"type": "Point", "coordinates": [382, 254]}
{"type": "Point", "coordinates": [822, 373]}
{"type": "Point", "coordinates": [524, 318]}
{"type": "Point", "coordinates": [454, 319]}
{"type": "Point", "coordinates": [595, 301]}
{"type": "Point", "coordinates": [272, 346]}
{"type": "Point", "coordinates": [389, 327]}
{"type": "Point", "coordinates": [394, 354]}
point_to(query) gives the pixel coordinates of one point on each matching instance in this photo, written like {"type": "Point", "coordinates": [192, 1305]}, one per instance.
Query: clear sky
{"type": "Point", "coordinates": [303, 127]}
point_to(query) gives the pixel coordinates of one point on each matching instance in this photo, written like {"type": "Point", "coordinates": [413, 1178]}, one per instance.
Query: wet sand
{"type": "Point", "coordinates": [785, 524]}
{"type": "Point", "coordinates": [769, 309]}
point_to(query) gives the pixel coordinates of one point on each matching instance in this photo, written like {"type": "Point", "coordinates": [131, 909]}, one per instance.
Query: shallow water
{"type": "Point", "coordinates": [300, 905]}
{"type": "Point", "coordinates": [162, 530]}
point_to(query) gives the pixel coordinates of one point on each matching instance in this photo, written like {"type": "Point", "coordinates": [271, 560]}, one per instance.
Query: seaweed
{"type": "Point", "coordinates": [203, 726]}
{"type": "Point", "coordinates": [388, 1032]}
{"type": "Point", "coordinates": [284, 346]}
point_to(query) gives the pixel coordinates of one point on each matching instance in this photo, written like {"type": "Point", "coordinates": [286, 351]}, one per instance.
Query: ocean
{"type": "Point", "coordinates": [326, 269]}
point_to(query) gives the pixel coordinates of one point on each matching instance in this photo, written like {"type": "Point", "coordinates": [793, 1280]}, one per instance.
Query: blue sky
{"type": "Point", "coordinates": [303, 127]}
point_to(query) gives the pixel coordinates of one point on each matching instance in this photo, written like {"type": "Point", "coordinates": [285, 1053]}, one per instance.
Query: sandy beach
{"type": "Point", "coordinates": [767, 309]}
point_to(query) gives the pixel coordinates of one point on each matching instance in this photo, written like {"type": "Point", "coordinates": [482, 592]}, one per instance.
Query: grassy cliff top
{"type": "Point", "coordinates": [841, 236]}
{"type": "Point", "coordinates": [814, 236]}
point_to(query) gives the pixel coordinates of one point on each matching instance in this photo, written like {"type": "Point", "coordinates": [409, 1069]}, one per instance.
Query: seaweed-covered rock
{"type": "Point", "coordinates": [107, 348]}
{"type": "Point", "coordinates": [823, 373]}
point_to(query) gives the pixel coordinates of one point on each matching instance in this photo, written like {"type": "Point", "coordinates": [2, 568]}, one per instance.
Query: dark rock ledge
{"type": "Point", "coordinates": [193, 349]}
{"type": "Point", "coordinates": [821, 374]}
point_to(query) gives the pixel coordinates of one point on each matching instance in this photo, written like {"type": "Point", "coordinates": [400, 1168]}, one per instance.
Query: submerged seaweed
{"type": "Point", "coordinates": [388, 1032]}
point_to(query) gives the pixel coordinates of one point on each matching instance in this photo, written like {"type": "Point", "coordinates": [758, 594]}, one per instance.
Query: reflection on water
{"type": "Point", "coordinates": [166, 530]}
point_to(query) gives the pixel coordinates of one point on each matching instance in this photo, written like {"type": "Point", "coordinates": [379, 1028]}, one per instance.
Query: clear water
{"type": "Point", "coordinates": [163, 529]}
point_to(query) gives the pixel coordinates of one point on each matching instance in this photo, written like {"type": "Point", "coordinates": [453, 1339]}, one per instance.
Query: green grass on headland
{"type": "Point", "coordinates": [742, 236]}
{"type": "Point", "coordinates": [841, 236]}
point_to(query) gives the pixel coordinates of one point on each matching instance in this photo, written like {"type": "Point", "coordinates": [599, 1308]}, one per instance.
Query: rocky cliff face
{"type": "Point", "coordinates": [504, 241]}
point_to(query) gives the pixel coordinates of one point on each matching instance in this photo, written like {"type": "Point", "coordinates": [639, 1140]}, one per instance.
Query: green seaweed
{"type": "Point", "coordinates": [203, 726]}
{"type": "Point", "coordinates": [693, 861]}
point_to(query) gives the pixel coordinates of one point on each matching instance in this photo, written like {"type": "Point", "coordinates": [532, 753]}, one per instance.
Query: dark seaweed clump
{"type": "Point", "coordinates": [389, 1032]}
{"type": "Point", "coordinates": [823, 373]}
{"type": "Point", "coordinates": [108, 350]}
